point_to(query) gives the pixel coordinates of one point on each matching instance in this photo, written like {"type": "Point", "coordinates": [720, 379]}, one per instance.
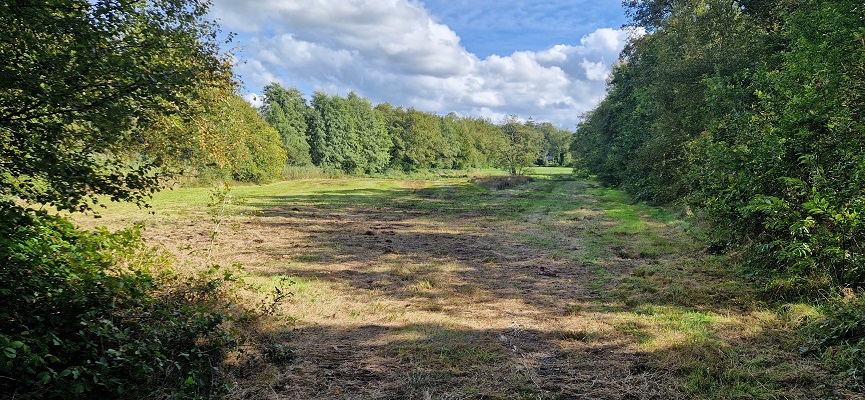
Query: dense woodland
{"type": "Point", "coordinates": [749, 114]}
{"type": "Point", "coordinates": [228, 139]}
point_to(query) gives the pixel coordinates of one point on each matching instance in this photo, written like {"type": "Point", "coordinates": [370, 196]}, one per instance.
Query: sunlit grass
{"type": "Point", "coordinates": [446, 349]}
{"type": "Point", "coordinates": [451, 272]}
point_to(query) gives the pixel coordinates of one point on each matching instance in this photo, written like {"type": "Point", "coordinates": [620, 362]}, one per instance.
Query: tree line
{"type": "Point", "coordinates": [105, 99]}
{"type": "Point", "coordinates": [349, 134]}
{"type": "Point", "coordinates": [750, 112]}
{"type": "Point", "coordinates": [224, 138]}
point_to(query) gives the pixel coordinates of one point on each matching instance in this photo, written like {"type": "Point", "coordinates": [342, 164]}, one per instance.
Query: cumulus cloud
{"type": "Point", "coordinates": [254, 99]}
{"type": "Point", "coordinates": [395, 51]}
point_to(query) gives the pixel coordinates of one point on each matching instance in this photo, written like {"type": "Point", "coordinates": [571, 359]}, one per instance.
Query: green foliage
{"type": "Point", "coordinates": [78, 80]}
{"type": "Point", "coordinates": [840, 339]}
{"type": "Point", "coordinates": [98, 315]}
{"type": "Point", "coordinates": [749, 111]}
{"type": "Point", "coordinates": [478, 141]}
{"type": "Point", "coordinates": [522, 146]}
{"type": "Point", "coordinates": [106, 98]}
{"type": "Point", "coordinates": [420, 140]}
{"type": "Point", "coordinates": [638, 136]}
{"type": "Point", "coordinates": [347, 134]}
{"type": "Point", "coordinates": [286, 111]}
{"type": "Point", "coordinates": [223, 138]}
{"type": "Point", "coordinates": [424, 140]}
{"type": "Point", "coordinates": [257, 156]}
{"type": "Point", "coordinates": [788, 174]}
{"type": "Point", "coordinates": [556, 143]}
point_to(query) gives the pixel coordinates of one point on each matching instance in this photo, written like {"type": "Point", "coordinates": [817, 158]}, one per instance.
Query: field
{"type": "Point", "coordinates": [464, 287]}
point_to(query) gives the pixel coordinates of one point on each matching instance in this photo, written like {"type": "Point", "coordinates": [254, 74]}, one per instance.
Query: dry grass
{"type": "Point", "coordinates": [444, 290]}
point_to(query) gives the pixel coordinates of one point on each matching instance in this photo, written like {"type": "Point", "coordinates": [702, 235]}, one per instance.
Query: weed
{"type": "Point", "coordinates": [645, 271]}
{"type": "Point", "coordinates": [278, 353]}
{"type": "Point", "coordinates": [638, 284]}
{"type": "Point", "coordinates": [423, 286]}
{"type": "Point", "coordinates": [573, 309]}
{"type": "Point", "coordinates": [839, 338]}
{"type": "Point", "coordinates": [577, 335]}
{"type": "Point", "coordinates": [101, 315]}
{"type": "Point", "coordinates": [417, 378]}
{"type": "Point", "coordinates": [679, 294]}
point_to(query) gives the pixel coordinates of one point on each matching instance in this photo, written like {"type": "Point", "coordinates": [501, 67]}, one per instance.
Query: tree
{"type": "Point", "coordinates": [789, 174]}
{"type": "Point", "coordinates": [556, 142]}
{"type": "Point", "coordinates": [83, 84]}
{"type": "Point", "coordinates": [449, 151]}
{"type": "Point", "coordinates": [416, 135]}
{"type": "Point", "coordinates": [522, 145]}
{"type": "Point", "coordinates": [78, 81]}
{"type": "Point", "coordinates": [371, 132]}
{"type": "Point", "coordinates": [347, 134]}
{"type": "Point", "coordinates": [750, 111]}
{"type": "Point", "coordinates": [254, 150]}
{"type": "Point", "coordinates": [480, 141]}
{"type": "Point", "coordinates": [658, 94]}
{"type": "Point", "coordinates": [222, 137]}
{"type": "Point", "coordinates": [286, 110]}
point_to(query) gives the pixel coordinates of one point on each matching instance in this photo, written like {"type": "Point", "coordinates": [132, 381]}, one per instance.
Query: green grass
{"type": "Point", "coordinates": [555, 173]}
{"type": "Point", "coordinates": [640, 280]}
{"type": "Point", "coordinates": [445, 349]}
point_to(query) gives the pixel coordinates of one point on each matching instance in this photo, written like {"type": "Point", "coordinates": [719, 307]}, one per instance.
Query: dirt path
{"type": "Point", "coordinates": [455, 292]}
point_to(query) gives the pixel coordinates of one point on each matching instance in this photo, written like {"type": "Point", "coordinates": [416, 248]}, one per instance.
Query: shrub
{"type": "Point", "coordinates": [840, 338]}
{"type": "Point", "coordinates": [99, 315]}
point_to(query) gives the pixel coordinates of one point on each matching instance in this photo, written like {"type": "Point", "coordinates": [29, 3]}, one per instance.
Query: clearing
{"type": "Point", "coordinates": [445, 289]}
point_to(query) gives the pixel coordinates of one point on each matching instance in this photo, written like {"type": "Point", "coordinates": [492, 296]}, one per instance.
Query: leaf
{"type": "Point", "coordinates": [44, 378]}
{"type": "Point", "coordinates": [9, 352]}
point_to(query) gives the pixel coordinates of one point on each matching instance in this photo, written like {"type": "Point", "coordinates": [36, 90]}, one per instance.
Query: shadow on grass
{"type": "Point", "coordinates": [593, 324]}
{"type": "Point", "coordinates": [391, 239]}
{"type": "Point", "coordinates": [458, 238]}
{"type": "Point", "coordinates": [422, 361]}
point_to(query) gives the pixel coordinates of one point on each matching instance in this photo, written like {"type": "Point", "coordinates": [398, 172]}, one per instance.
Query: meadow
{"type": "Point", "coordinates": [468, 285]}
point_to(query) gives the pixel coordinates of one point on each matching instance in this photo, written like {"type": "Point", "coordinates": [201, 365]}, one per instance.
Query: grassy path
{"type": "Point", "coordinates": [442, 289]}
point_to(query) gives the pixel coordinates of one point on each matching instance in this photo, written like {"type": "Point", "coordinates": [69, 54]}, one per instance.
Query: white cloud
{"type": "Point", "coordinates": [595, 71]}
{"type": "Point", "coordinates": [604, 38]}
{"type": "Point", "coordinates": [395, 51]}
{"type": "Point", "coordinates": [254, 99]}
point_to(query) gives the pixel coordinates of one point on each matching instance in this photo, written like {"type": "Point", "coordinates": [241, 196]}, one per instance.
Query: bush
{"type": "Point", "coordinates": [785, 175]}
{"type": "Point", "coordinates": [99, 315]}
{"type": "Point", "coordinates": [840, 338]}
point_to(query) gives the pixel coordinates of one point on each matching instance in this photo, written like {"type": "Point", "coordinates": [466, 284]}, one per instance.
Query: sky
{"type": "Point", "coordinates": [544, 59]}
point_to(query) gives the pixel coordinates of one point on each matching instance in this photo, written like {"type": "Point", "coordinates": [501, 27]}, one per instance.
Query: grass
{"type": "Point", "coordinates": [431, 286]}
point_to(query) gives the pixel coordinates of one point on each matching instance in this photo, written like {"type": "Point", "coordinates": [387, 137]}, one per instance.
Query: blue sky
{"type": "Point", "coordinates": [490, 58]}
{"type": "Point", "coordinates": [501, 27]}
